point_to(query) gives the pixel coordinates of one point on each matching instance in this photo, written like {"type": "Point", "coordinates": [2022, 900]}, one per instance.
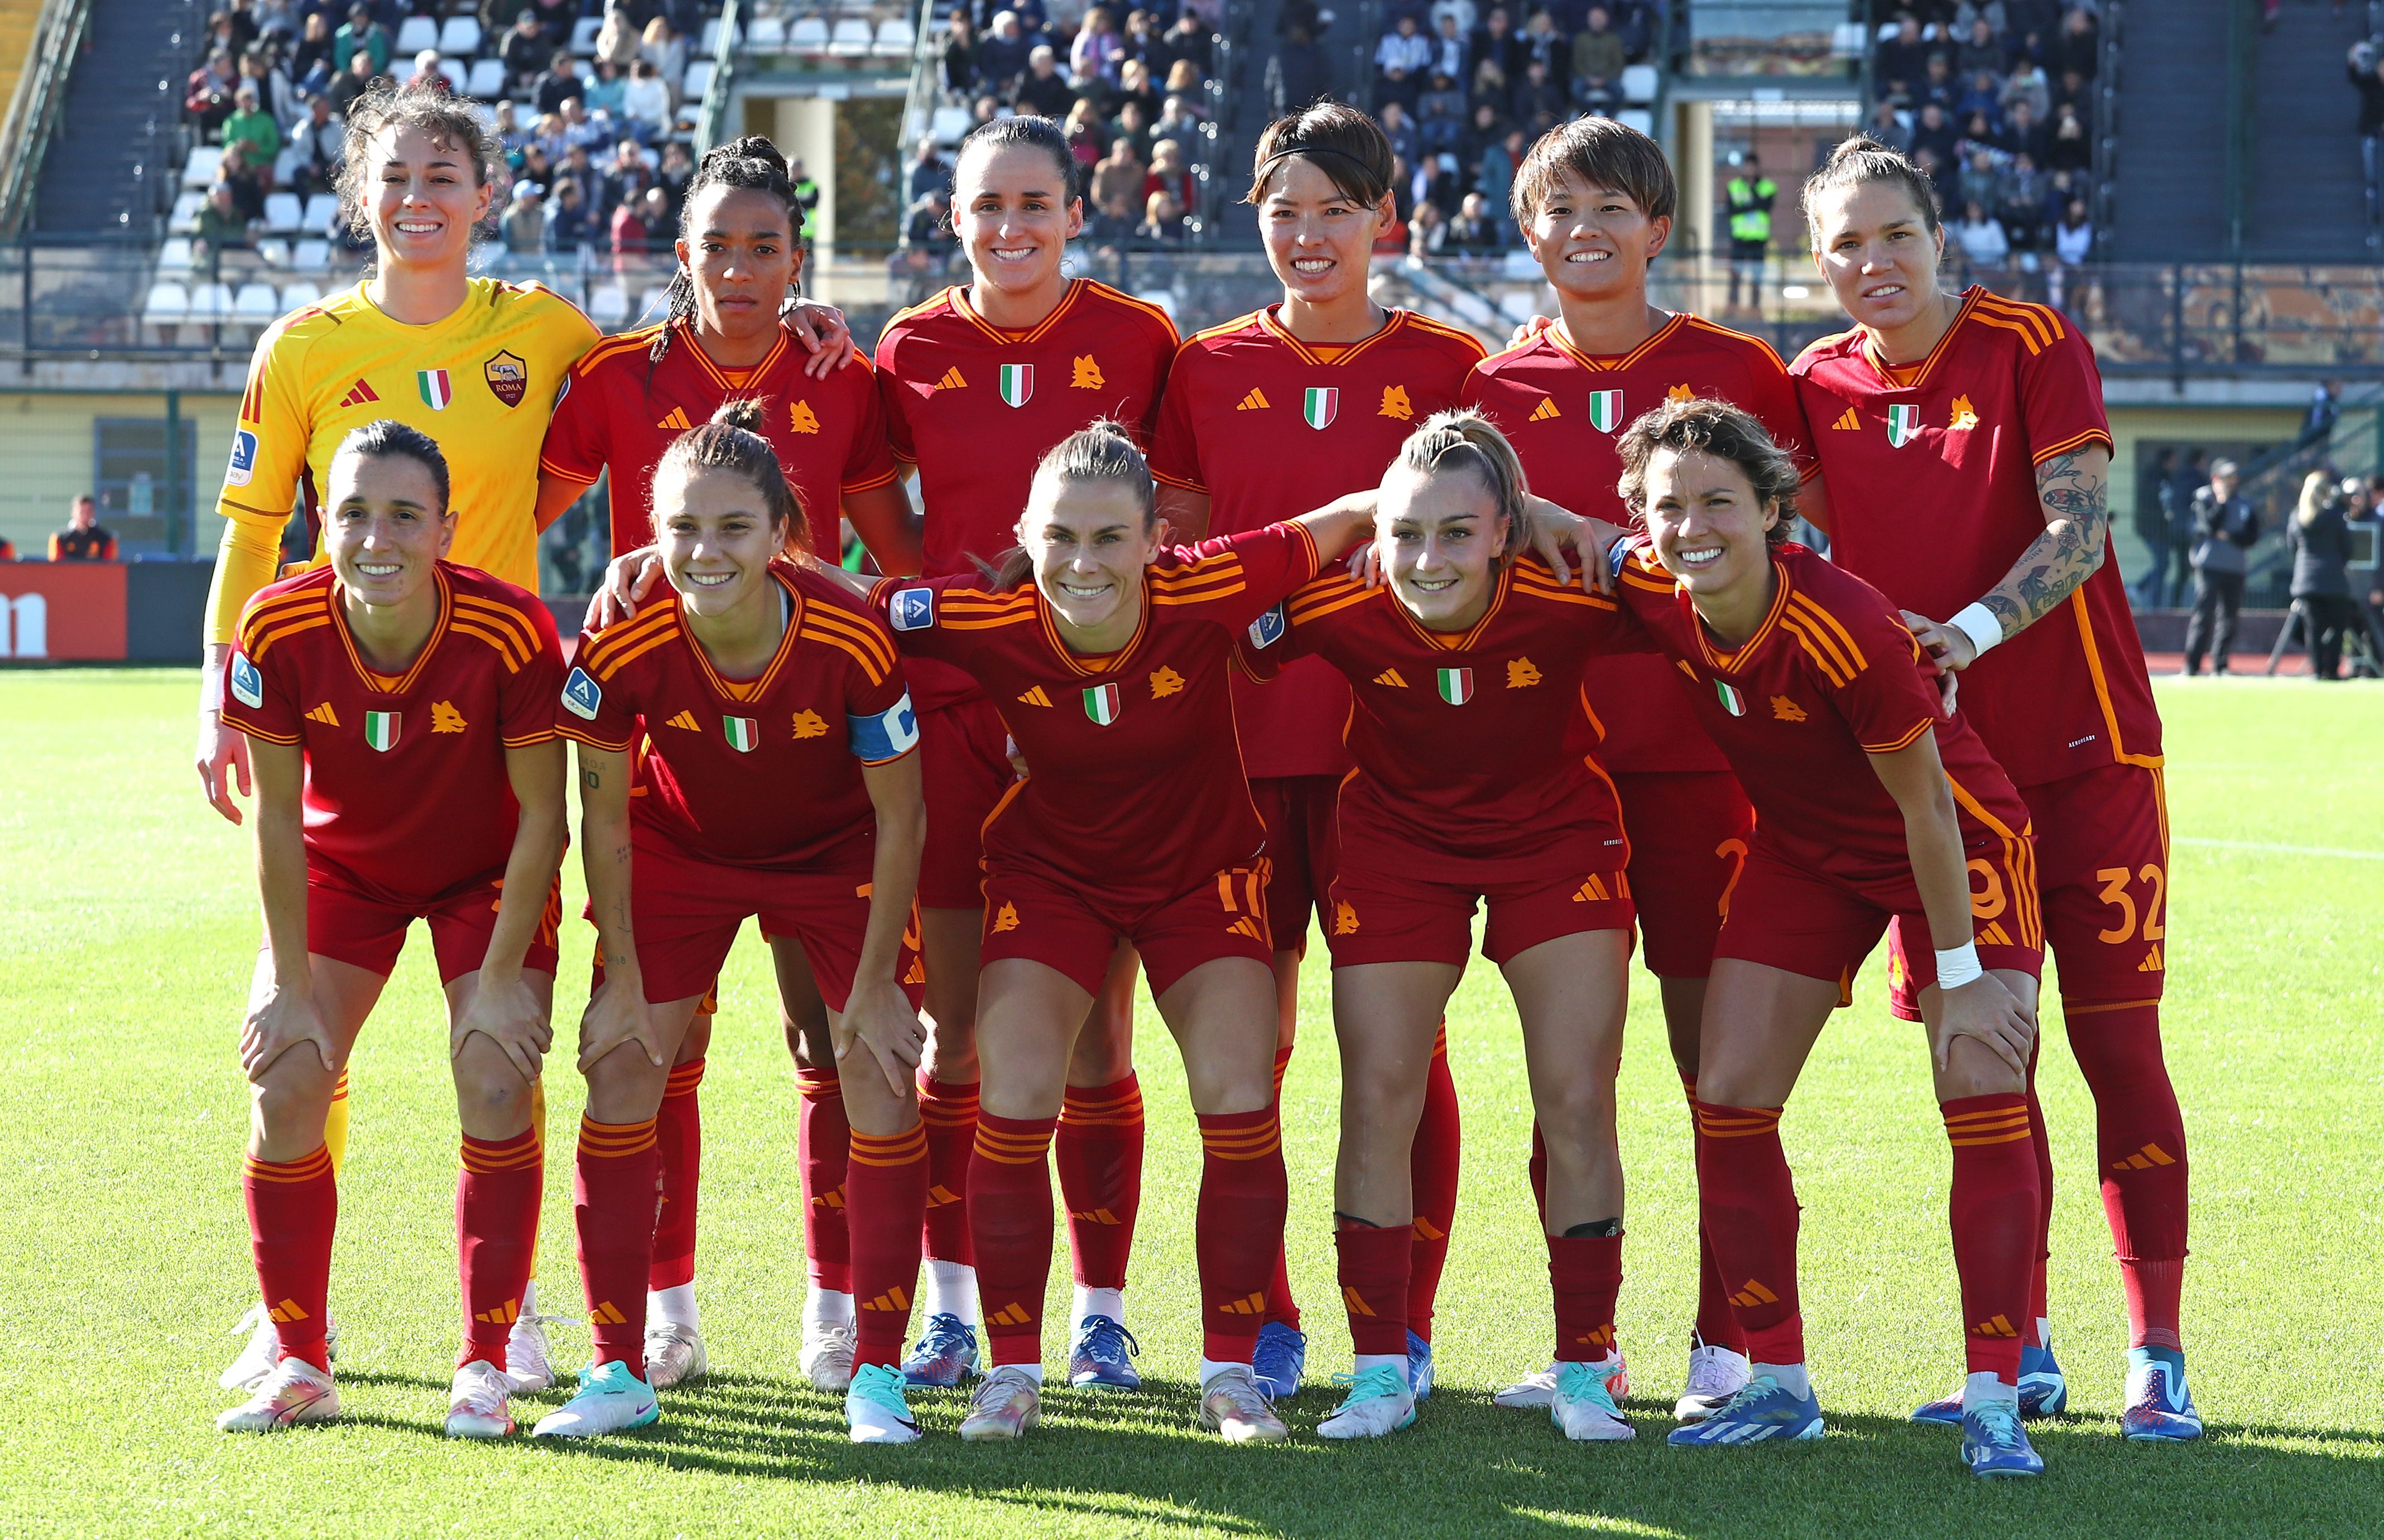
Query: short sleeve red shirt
{"type": "Point", "coordinates": [762, 772]}
{"type": "Point", "coordinates": [406, 796]}
{"type": "Point", "coordinates": [619, 411]}
{"type": "Point", "coordinates": [1271, 428]}
{"type": "Point", "coordinates": [1831, 677]}
{"type": "Point", "coordinates": [1563, 409]}
{"type": "Point", "coordinates": [1931, 479]}
{"type": "Point", "coordinates": [1135, 788]}
{"type": "Point", "coordinates": [1462, 771]}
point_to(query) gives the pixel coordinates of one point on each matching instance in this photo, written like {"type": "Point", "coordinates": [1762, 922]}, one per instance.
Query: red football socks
{"type": "Point", "coordinates": [496, 1228]}
{"type": "Point", "coordinates": [678, 1135]}
{"type": "Point", "coordinates": [1374, 1286]}
{"type": "Point", "coordinates": [2139, 1139]}
{"type": "Point", "coordinates": [293, 1208]}
{"type": "Point", "coordinates": [615, 1190]}
{"type": "Point", "coordinates": [1747, 1204]}
{"type": "Point", "coordinates": [1010, 1229]}
{"type": "Point", "coordinates": [2040, 1143]}
{"type": "Point", "coordinates": [1586, 1273]}
{"type": "Point", "coordinates": [1716, 1322]}
{"type": "Point", "coordinates": [1099, 1154]}
{"type": "Point", "coordinates": [1238, 1227]}
{"type": "Point", "coordinates": [1280, 1304]}
{"type": "Point", "coordinates": [886, 1193]}
{"type": "Point", "coordinates": [822, 1138]}
{"type": "Point", "coordinates": [1433, 1163]}
{"type": "Point", "coordinates": [947, 1111]}
{"type": "Point", "coordinates": [1993, 1208]}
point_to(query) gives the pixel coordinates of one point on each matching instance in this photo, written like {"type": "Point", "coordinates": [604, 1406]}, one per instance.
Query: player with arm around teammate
{"type": "Point", "coordinates": [777, 780]}
{"type": "Point", "coordinates": [399, 711]}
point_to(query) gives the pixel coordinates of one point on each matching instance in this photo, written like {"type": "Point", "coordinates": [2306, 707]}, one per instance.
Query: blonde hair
{"type": "Point", "coordinates": [2317, 491]}
{"type": "Point", "coordinates": [1463, 439]}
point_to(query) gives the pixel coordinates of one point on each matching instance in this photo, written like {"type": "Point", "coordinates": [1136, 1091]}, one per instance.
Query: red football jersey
{"type": "Point", "coordinates": [406, 796]}
{"type": "Point", "coordinates": [762, 772]}
{"type": "Point", "coordinates": [1831, 677]}
{"type": "Point", "coordinates": [619, 411]}
{"type": "Point", "coordinates": [1463, 774]}
{"type": "Point", "coordinates": [1134, 788]}
{"type": "Point", "coordinates": [1931, 480]}
{"type": "Point", "coordinates": [1563, 410]}
{"type": "Point", "coordinates": [1271, 428]}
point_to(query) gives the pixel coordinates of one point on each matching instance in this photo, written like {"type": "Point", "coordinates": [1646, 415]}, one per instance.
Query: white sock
{"type": "Point", "coordinates": [827, 1307]}
{"type": "Point", "coordinates": [675, 1305]}
{"type": "Point", "coordinates": [1211, 1369]}
{"type": "Point", "coordinates": [1032, 1371]}
{"type": "Point", "coordinates": [951, 1290]}
{"type": "Point", "coordinates": [1100, 1301]}
{"type": "Point", "coordinates": [1792, 1377]}
{"type": "Point", "coordinates": [2044, 1332]}
{"type": "Point", "coordinates": [1979, 1390]}
{"type": "Point", "coordinates": [1396, 1362]}
{"type": "Point", "coordinates": [529, 1300]}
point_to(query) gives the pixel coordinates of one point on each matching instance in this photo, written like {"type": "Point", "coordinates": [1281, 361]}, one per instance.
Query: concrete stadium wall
{"type": "Point", "coordinates": [47, 457]}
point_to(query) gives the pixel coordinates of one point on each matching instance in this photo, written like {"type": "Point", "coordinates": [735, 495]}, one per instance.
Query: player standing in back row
{"type": "Point", "coordinates": [1988, 414]}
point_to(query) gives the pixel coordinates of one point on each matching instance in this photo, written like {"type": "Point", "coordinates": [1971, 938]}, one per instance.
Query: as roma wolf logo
{"type": "Point", "coordinates": [508, 378]}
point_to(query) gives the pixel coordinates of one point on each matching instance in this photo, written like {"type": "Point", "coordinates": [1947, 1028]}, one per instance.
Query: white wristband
{"type": "Point", "coordinates": [1978, 623]}
{"type": "Point", "coordinates": [211, 690]}
{"type": "Point", "coordinates": [1959, 965]}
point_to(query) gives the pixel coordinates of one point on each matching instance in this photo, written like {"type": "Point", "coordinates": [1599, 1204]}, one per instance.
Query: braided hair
{"type": "Point", "coordinates": [751, 165]}
{"type": "Point", "coordinates": [732, 441]}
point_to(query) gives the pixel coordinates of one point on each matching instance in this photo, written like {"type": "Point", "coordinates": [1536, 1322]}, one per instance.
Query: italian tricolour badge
{"type": "Point", "coordinates": [1323, 405]}
{"type": "Point", "coordinates": [742, 732]}
{"type": "Point", "coordinates": [1903, 425]}
{"type": "Point", "coordinates": [1731, 700]}
{"type": "Point", "coordinates": [437, 389]}
{"type": "Point", "coordinates": [1017, 383]}
{"type": "Point", "coordinates": [1605, 410]}
{"type": "Point", "coordinates": [1456, 686]}
{"type": "Point", "coordinates": [1102, 703]}
{"type": "Point", "coordinates": [380, 729]}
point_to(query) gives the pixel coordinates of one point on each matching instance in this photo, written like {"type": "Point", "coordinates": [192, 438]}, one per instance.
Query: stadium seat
{"type": "Point", "coordinates": [415, 33]}
{"type": "Point", "coordinates": [697, 81]}
{"type": "Point", "coordinates": [257, 301]}
{"type": "Point", "coordinates": [284, 214]}
{"type": "Point", "coordinates": [199, 171]}
{"type": "Point", "coordinates": [321, 209]}
{"type": "Point", "coordinates": [896, 37]}
{"type": "Point", "coordinates": [460, 36]}
{"type": "Point", "coordinates": [1846, 39]}
{"type": "Point", "coordinates": [210, 302]}
{"type": "Point", "coordinates": [457, 73]}
{"type": "Point", "coordinates": [174, 255]}
{"type": "Point", "coordinates": [299, 294]}
{"type": "Point", "coordinates": [950, 125]}
{"type": "Point", "coordinates": [766, 35]}
{"type": "Point", "coordinates": [273, 253]}
{"type": "Point", "coordinates": [708, 42]}
{"type": "Point", "coordinates": [851, 39]}
{"type": "Point", "coordinates": [1639, 82]}
{"type": "Point", "coordinates": [1637, 117]}
{"type": "Point", "coordinates": [609, 307]}
{"type": "Point", "coordinates": [170, 305]}
{"type": "Point", "coordinates": [583, 36]}
{"type": "Point", "coordinates": [311, 257]}
{"type": "Point", "coordinates": [808, 35]}
{"type": "Point", "coordinates": [185, 218]}
{"type": "Point", "coordinates": [488, 79]}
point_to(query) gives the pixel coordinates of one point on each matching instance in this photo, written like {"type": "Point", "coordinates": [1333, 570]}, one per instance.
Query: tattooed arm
{"type": "Point", "coordinates": [2071, 490]}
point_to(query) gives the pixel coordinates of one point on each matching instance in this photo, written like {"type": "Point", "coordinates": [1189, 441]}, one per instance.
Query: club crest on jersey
{"type": "Point", "coordinates": [1605, 410]}
{"type": "Point", "coordinates": [1268, 628]}
{"type": "Point", "coordinates": [1017, 383]}
{"type": "Point", "coordinates": [582, 695]}
{"type": "Point", "coordinates": [508, 378]}
{"type": "Point", "coordinates": [436, 388]}
{"type": "Point", "coordinates": [380, 729]}
{"type": "Point", "coordinates": [742, 732]}
{"type": "Point", "coordinates": [911, 610]}
{"type": "Point", "coordinates": [1102, 703]}
{"type": "Point", "coordinates": [1903, 425]}
{"type": "Point", "coordinates": [243, 458]}
{"type": "Point", "coordinates": [247, 684]}
{"type": "Point", "coordinates": [1456, 686]}
{"type": "Point", "coordinates": [1323, 405]}
{"type": "Point", "coordinates": [1731, 700]}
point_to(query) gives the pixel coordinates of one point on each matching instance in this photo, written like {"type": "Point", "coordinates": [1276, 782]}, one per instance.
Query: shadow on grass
{"type": "Point", "coordinates": [1139, 1460]}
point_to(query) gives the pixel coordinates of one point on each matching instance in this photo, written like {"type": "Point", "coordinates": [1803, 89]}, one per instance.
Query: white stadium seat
{"type": "Point", "coordinates": [1637, 117]}
{"type": "Point", "coordinates": [708, 42]}
{"type": "Point", "coordinates": [185, 218]}
{"type": "Point", "coordinates": [697, 81]}
{"type": "Point", "coordinates": [950, 125]}
{"type": "Point", "coordinates": [895, 36]}
{"type": "Point", "coordinates": [402, 70]}
{"type": "Point", "coordinates": [273, 253]}
{"type": "Point", "coordinates": [1639, 82]}
{"type": "Point", "coordinates": [298, 294]}
{"type": "Point", "coordinates": [199, 171]}
{"type": "Point", "coordinates": [488, 79]}
{"type": "Point", "coordinates": [257, 301]}
{"type": "Point", "coordinates": [174, 257]}
{"type": "Point", "coordinates": [311, 257]}
{"type": "Point", "coordinates": [766, 35]}
{"type": "Point", "coordinates": [460, 35]}
{"type": "Point", "coordinates": [284, 214]}
{"type": "Point", "coordinates": [851, 39]}
{"type": "Point", "coordinates": [210, 302]}
{"type": "Point", "coordinates": [170, 305]}
{"type": "Point", "coordinates": [583, 35]}
{"type": "Point", "coordinates": [321, 209]}
{"type": "Point", "coordinates": [808, 35]}
{"type": "Point", "coordinates": [455, 72]}
{"type": "Point", "coordinates": [415, 33]}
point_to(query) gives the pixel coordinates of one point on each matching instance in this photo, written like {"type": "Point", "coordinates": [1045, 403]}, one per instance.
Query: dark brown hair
{"type": "Point", "coordinates": [1100, 451]}
{"type": "Point", "coordinates": [390, 440]}
{"type": "Point", "coordinates": [732, 441]}
{"type": "Point", "coordinates": [1030, 132]}
{"type": "Point", "coordinates": [1601, 153]}
{"type": "Point", "coordinates": [451, 122]}
{"type": "Point", "coordinates": [1863, 159]}
{"type": "Point", "coordinates": [1703, 425]}
{"type": "Point", "coordinates": [747, 165]}
{"type": "Point", "coordinates": [1345, 144]}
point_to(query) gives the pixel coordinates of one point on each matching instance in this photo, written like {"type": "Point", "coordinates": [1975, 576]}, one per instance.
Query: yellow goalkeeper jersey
{"type": "Point", "coordinates": [481, 383]}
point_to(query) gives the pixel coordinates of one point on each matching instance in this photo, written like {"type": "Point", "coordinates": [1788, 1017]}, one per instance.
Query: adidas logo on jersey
{"type": "Point", "coordinates": [1255, 401]}
{"type": "Point", "coordinates": [1545, 411]}
{"type": "Point", "coordinates": [952, 380]}
{"type": "Point", "coordinates": [1034, 697]}
{"type": "Point", "coordinates": [1391, 676]}
{"type": "Point", "coordinates": [1591, 891]}
{"type": "Point", "coordinates": [1247, 926]}
{"type": "Point", "coordinates": [2152, 963]}
{"type": "Point", "coordinates": [1993, 934]}
{"type": "Point", "coordinates": [675, 419]}
{"type": "Point", "coordinates": [325, 715]}
{"type": "Point", "coordinates": [1848, 424]}
{"type": "Point", "coordinates": [359, 394]}
{"type": "Point", "coordinates": [683, 719]}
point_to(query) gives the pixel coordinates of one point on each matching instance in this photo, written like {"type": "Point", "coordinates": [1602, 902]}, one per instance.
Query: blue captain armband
{"type": "Point", "coordinates": [889, 735]}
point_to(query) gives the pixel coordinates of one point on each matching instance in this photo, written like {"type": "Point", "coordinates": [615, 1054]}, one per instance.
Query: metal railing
{"type": "Point", "coordinates": [714, 110]}
{"type": "Point", "coordinates": [34, 107]}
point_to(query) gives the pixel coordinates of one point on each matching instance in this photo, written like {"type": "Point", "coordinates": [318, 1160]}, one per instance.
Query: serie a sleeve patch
{"type": "Point", "coordinates": [582, 695]}
{"type": "Point", "coordinates": [247, 684]}
{"type": "Point", "coordinates": [888, 735]}
{"type": "Point", "coordinates": [911, 609]}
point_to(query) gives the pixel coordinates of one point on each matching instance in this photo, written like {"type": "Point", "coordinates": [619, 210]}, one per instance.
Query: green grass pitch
{"type": "Point", "coordinates": [132, 920]}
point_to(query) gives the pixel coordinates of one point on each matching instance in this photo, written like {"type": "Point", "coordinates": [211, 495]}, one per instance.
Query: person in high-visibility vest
{"type": "Point", "coordinates": [807, 198]}
{"type": "Point", "coordinates": [1749, 195]}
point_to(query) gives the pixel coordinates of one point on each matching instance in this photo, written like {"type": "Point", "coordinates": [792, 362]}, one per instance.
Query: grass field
{"type": "Point", "coordinates": [122, 969]}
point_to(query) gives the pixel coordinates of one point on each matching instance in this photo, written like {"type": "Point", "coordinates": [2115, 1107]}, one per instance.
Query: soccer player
{"type": "Point", "coordinates": [1465, 665]}
{"type": "Point", "coordinates": [777, 780]}
{"type": "Point", "coordinates": [1134, 825]}
{"type": "Point", "coordinates": [630, 398]}
{"type": "Point", "coordinates": [1990, 413]}
{"type": "Point", "coordinates": [1872, 804]}
{"type": "Point", "coordinates": [400, 707]}
{"type": "Point", "coordinates": [1267, 416]}
{"type": "Point", "coordinates": [1594, 201]}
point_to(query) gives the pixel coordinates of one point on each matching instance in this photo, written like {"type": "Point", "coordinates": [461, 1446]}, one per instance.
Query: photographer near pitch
{"type": "Point", "coordinates": [2226, 527]}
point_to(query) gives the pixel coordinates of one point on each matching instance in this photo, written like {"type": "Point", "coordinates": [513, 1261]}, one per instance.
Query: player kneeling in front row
{"type": "Point", "coordinates": [400, 712]}
{"type": "Point", "coordinates": [1872, 804]}
{"type": "Point", "coordinates": [777, 781]}
{"type": "Point", "coordinates": [1465, 665]}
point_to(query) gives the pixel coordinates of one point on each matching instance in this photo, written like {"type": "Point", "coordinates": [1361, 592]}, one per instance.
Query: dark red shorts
{"type": "Point", "coordinates": [1787, 917]}
{"type": "Point", "coordinates": [366, 932]}
{"type": "Point", "coordinates": [1689, 832]}
{"type": "Point", "coordinates": [1380, 918]}
{"type": "Point", "coordinates": [1298, 812]}
{"type": "Point", "coordinates": [1030, 916]}
{"type": "Point", "coordinates": [964, 768]}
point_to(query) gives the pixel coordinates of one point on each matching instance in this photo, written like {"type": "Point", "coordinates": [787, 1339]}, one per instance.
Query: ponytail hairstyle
{"type": "Point", "coordinates": [1344, 143]}
{"type": "Point", "coordinates": [1034, 132]}
{"type": "Point", "coordinates": [1703, 425]}
{"type": "Point", "coordinates": [390, 440]}
{"type": "Point", "coordinates": [1461, 439]}
{"type": "Point", "coordinates": [452, 122]}
{"type": "Point", "coordinates": [2317, 495]}
{"type": "Point", "coordinates": [1100, 451]}
{"type": "Point", "coordinates": [1863, 159]}
{"type": "Point", "coordinates": [732, 441]}
{"type": "Point", "coordinates": [751, 165]}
